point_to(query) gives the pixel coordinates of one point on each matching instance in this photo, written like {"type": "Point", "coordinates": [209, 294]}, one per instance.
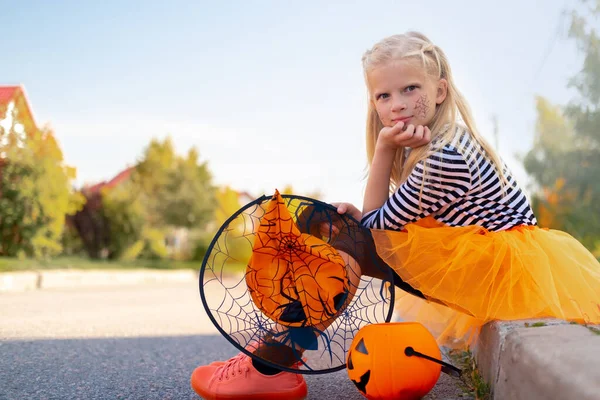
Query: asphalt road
{"type": "Point", "coordinates": [138, 342]}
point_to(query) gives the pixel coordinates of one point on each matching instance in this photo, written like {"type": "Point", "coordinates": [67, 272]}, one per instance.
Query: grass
{"type": "Point", "coordinates": [535, 324]}
{"type": "Point", "coordinates": [594, 330]}
{"type": "Point", "coordinates": [473, 382]}
{"type": "Point", "coordinates": [14, 264]}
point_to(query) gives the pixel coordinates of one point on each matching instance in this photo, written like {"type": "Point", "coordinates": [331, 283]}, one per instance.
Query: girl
{"type": "Point", "coordinates": [457, 227]}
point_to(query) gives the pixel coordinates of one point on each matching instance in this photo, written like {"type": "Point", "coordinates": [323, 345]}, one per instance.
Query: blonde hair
{"type": "Point", "coordinates": [443, 126]}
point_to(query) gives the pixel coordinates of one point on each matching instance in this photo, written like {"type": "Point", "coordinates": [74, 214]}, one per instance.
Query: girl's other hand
{"type": "Point", "coordinates": [342, 208]}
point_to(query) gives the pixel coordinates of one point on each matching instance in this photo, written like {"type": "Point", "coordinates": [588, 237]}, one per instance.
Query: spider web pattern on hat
{"type": "Point", "coordinates": [272, 284]}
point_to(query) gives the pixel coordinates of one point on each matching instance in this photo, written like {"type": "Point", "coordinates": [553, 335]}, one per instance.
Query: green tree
{"type": "Point", "coordinates": [565, 160]}
{"type": "Point", "coordinates": [178, 191]}
{"type": "Point", "coordinates": [125, 216]}
{"type": "Point", "coordinates": [550, 163]}
{"type": "Point", "coordinates": [234, 238]}
{"type": "Point", "coordinates": [164, 192]}
{"type": "Point", "coordinates": [228, 203]}
{"type": "Point", "coordinates": [35, 192]}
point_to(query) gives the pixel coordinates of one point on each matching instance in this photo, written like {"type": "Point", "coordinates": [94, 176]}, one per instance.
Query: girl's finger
{"type": "Point", "coordinates": [410, 130]}
{"type": "Point", "coordinates": [398, 127]}
{"type": "Point", "coordinates": [419, 132]}
{"type": "Point", "coordinates": [427, 134]}
{"type": "Point", "coordinates": [403, 137]}
{"type": "Point", "coordinates": [422, 137]}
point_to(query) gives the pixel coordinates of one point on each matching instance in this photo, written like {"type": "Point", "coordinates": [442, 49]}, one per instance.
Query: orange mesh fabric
{"type": "Point", "coordinates": [527, 272]}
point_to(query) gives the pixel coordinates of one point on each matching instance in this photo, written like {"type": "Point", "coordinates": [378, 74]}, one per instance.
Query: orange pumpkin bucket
{"type": "Point", "coordinates": [399, 360]}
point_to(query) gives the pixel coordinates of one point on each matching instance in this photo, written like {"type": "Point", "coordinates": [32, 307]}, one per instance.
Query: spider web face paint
{"type": "Point", "coordinates": [295, 299]}
{"type": "Point", "coordinates": [422, 107]}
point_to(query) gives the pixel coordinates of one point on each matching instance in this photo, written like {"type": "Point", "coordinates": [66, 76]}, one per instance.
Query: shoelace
{"type": "Point", "coordinates": [234, 364]}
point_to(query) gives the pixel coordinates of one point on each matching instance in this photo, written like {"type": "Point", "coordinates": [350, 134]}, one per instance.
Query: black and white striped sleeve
{"type": "Point", "coordinates": [448, 178]}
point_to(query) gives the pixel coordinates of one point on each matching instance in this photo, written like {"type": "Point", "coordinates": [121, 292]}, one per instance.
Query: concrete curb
{"type": "Point", "coordinates": [68, 278]}
{"type": "Point", "coordinates": [19, 281]}
{"type": "Point", "coordinates": [555, 361]}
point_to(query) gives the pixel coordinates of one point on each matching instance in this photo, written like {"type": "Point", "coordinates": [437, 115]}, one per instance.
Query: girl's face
{"type": "Point", "coordinates": [402, 91]}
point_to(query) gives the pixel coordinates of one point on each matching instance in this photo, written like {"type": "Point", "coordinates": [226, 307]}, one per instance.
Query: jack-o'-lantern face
{"type": "Point", "coordinates": [359, 355]}
{"type": "Point", "coordinates": [296, 279]}
{"type": "Point", "coordinates": [380, 368]}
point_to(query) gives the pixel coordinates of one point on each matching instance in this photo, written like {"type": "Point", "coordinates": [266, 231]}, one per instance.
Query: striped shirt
{"type": "Point", "coordinates": [462, 188]}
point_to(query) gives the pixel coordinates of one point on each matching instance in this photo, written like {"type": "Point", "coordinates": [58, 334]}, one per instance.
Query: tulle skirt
{"type": "Point", "coordinates": [479, 276]}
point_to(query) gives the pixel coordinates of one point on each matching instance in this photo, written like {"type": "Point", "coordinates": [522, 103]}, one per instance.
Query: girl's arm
{"type": "Point", "coordinates": [448, 179]}
{"type": "Point", "coordinates": [378, 183]}
{"type": "Point", "coordinates": [389, 140]}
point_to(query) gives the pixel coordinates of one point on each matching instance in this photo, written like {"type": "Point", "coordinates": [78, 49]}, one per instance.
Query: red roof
{"type": "Point", "coordinates": [119, 178]}
{"type": "Point", "coordinates": [7, 93]}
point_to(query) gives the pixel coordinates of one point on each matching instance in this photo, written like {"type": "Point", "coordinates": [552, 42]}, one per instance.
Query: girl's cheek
{"type": "Point", "coordinates": [422, 107]}
{"type": "Point", "coordinates": [381, 113]}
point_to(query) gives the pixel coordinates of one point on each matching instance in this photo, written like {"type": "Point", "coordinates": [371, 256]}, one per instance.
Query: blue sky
{"type": "Point", "coordinates": [271, 93]}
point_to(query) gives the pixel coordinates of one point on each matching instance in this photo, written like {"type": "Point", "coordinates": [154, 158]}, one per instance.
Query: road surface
{"type": "Point", "coordinates": [125, 342]}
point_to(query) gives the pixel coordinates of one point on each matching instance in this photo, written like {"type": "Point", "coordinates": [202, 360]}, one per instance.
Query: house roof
{"type": "Point", "coordinates": [7, 93]}
{"type": "Point", "coordinates": [11, 92]}
{"type": "Point", "coordinates": [119, 178]}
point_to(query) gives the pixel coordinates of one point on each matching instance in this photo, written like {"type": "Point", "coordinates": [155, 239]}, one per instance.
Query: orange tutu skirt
{"type": "Point", "coordinates": [472, 276]}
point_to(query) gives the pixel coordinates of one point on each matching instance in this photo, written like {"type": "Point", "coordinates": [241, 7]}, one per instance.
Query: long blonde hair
{"type": "Point", "coordinates": [416, 46]}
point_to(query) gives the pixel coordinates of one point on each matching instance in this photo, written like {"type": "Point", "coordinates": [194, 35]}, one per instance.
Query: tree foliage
{"type": "Point", "coordinates": [163, 192]}
{"type": "Point", "coordinates": [35, 190]}
{"type": "Point", "coordinates": [565, 160]}
{"type": "Point", "coordinates": [178, 190]}
{"type": "Point", "coordinates": [233, 238]}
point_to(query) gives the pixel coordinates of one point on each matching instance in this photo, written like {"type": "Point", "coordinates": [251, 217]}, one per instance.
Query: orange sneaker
{"type": "Point", "coordinates": [250, 347]}
{"type": "Point", "coordinates": [238, 379]}
{"type": "Point", "coordinates": [219, 362]}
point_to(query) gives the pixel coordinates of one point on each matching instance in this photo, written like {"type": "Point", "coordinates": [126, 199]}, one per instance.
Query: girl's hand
{"type": "Point", "coordinates": [342, 208]}
{"type": "Point", "coordinates": [391, 138]}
